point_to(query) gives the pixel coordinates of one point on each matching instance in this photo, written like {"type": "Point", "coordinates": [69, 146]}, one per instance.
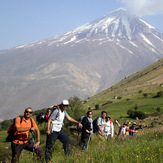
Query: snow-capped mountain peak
{"type": "Point", "coordinates": [117, 24]}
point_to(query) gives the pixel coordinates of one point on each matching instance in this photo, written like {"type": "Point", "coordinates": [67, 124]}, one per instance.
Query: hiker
{"type": "Point", "coordinates": [133, 127]}
{"type": "Point", "coordinates": [54, 129]}
{"type": "Point", "coordinates": [128, 126]}
{"type": "Point", "coordinates": [47, 114]}
{"type": "Point", "coordinates": [101, 123]}
{"type": "Point", "coordinates": [109, 128]}
{"type": "Point", "coordinates": [22, 134]}
{"type": "Point", "coordinates": [123, 129]}
{"type": "Point", "coordinates": [87, 130]}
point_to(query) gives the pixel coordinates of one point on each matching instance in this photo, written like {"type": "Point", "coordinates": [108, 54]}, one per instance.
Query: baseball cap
{"type": "Point", "coordinates": [108, 116]}
{"type": "Point", "coordinates": [64, 102]}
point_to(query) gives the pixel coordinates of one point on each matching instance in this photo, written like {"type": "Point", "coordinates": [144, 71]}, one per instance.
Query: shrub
{"type": "Point", "coordinates": [140, 114]}
{"type": "Point", "coordinates": [140, 91]}
{"type": "Point", "coordinates": [158, 109]}
{"type": "Point", "coordinates": [108, 102]}
{"type": "Point", "coordinates": [134, 114]}
{"type": "Point", "coordinates": [127, 99]}
{"type": "Point", "coordinates": [159, 94]}
{"type": "Point", "coordinates": [96, 106]}
{"type": "Point", "coordinates": [6, 124]}
{"type": "Point", "coordinates": [119, 97]}
{"type": "Point", "coordinates": [136, 107]}
{"type": "Point", "coordinates": [145, 95]}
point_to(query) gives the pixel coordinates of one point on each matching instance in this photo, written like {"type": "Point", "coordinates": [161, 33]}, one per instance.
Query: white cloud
{"type": "Point", "coordinates": [144, 7]}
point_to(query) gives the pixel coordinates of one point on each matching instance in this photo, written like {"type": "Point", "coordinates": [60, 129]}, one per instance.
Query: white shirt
{"type": "Point", "coordinates": [101, 122]}
{"type": "Point", "coordinates": [57, 120]}
{"type": "Point", "coordinates": [109, 129]}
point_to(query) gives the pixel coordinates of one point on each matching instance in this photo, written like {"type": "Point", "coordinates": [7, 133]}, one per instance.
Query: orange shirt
{"type": "Point", "coordinates": [23, 135]}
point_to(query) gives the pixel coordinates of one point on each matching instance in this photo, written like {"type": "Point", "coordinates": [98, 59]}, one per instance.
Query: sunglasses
{"type": "Point", "coordinates": [28, 112]}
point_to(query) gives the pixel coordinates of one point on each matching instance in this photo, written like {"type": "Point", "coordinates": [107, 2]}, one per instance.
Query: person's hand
{"type": "Point", "coordinates": [48, 132]}
{"type": "Point", "coordinates": [102, 134]}
{"type": "Point", "coordinates": [89, 132]}
{"type": "Point", "coordinates": [80, 125]}
{"type": "Point", "coordinates": [32, 129]}
{"type": "Point", "coordinates": [37, 145]}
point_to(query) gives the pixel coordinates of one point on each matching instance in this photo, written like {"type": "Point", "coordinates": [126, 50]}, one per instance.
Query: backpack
{"type": "Point", "coordinates": [95, 126]}
{"type": "Point", "coordinates": [40, 118]}
{"type": "Point", "coordinates": [51, 109]}
{"type": "Point", "coordinates": [12, 134]}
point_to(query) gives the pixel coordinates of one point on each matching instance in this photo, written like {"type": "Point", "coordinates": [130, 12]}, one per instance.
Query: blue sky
{"type": "Point", "coordinates": [27, 21]}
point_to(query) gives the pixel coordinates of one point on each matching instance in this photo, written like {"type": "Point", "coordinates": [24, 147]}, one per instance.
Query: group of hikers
{"type": "Point", "coordinates": [102, 127]}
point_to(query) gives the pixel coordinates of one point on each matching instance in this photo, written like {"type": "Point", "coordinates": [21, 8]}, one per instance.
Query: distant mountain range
{"type": "Point", "coordinates": [81, 62]}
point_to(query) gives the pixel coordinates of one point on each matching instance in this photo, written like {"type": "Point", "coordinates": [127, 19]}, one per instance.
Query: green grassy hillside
{"type": "Point", "coordinates": [131, 92]}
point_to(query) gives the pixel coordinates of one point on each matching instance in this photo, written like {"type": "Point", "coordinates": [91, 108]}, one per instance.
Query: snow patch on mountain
{"type": "Point", "coordinates": [148, 25]}
{"type": "Point", "coordinates": [71, 40]}
{"type": "Point", "coordinates": [146, 39]}
{"type": "Point", "coordinates": [133, 43]}
{"type": "Point", "coordinates": [125, 49]}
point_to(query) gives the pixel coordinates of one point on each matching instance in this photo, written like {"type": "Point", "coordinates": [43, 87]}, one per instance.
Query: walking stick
{"type": "Point", "coordinates": [33, 144]}
{"type": "Point", "coordinates": [77, 141]}
{"type": "Point", "coordinates": [88, 141]}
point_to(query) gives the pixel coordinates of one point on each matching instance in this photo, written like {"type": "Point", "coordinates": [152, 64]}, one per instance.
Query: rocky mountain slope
{"type": "Point", "coordinates": [81, 62]}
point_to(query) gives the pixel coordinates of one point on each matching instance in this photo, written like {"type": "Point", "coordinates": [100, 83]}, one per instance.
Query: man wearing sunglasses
{"type": "Point", "coordinates": [23, 126]}
{"type": "Point", "coordinates": [54, 129]}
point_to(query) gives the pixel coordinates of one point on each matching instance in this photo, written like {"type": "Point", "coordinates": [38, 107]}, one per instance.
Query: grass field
{"type": "Point", "coordinates": [146, 146]}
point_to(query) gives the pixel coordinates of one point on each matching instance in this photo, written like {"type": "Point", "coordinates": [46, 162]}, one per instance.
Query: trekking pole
{"type": "Point", "coordinates": [33, 148]}
{"type": "Point", "coordinates": [88, 141]}
{"type": "Point", "coordinates": [77, 141]}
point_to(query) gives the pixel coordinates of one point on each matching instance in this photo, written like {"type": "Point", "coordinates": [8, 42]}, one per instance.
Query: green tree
{"type": "Point", "coordinates": [145, 95]}
{"type": "Point", "coordinates": [160, 93]}
{"type": "Point", "coordinates": [76, 107]}
{"type": "Point", "coordinates": [136, 107]}
{"type": "Point", "coordinates": [96, 106]}
{"type": "Point", "coordinates": [158, 109]}
{"type": "Point", "coordinates": [6, 124]}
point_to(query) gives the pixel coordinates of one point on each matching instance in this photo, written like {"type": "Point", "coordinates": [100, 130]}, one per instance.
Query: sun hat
{"type": "Point", "coordinates": [64, 102]}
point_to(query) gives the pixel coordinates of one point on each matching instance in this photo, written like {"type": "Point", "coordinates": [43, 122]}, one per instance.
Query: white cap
{"type": "Point", "coordinates": [65, 102]}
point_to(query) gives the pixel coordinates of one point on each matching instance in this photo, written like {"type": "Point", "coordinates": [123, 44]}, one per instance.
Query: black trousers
{"type": "Point", "coordinates": [17, 149]}
{"type": "Point", "coordinates": [84, 139]}
{"type": "Point", "coordinates": [51, 139]}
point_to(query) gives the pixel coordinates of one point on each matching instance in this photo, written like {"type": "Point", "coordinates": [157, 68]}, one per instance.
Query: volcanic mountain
{"type": "Point", "coordinates": [81, 62]}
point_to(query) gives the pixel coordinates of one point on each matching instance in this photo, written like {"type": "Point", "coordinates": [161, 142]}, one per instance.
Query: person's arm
{"type": "Point", "coordinates": [48, 126]}
{"type": "Point", "coordinates": [117, 123]}
{"type": "Point", "coordinates": [20, 129]}
{"type": "Point", "coordinates": [38, 138]}
{"type": "Point", "coordinates": [134, 131]}
{"type": "Point", "coordinates": [74, 121]}
{"type": "Point", "coordinates": [99, 121]}
{"type": "Point", "coordinates": [99, 127]}
{"type": "Point", "coordinates": [112, 129]}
